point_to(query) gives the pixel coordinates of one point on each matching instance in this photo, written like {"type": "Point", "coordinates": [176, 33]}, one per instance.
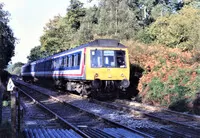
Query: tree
{"type": "Point", "coordinates": [88, 24]}
{"type": "Point", "coordinates": [178, 30]}
{"type": "Point", "coordinates": [7, 42]}
{"type": "Point", "coordinates": [36, 53]}
{"type": "Point", "coordinates": [61, 32]}
{"type": "Point", "coordinates": [150, 10]}
{"type": "Point", "coordinates": [15, 69]}
{"type": "Point", "coordinates": [118, 19]}
{"type": "Point", "coordinates": [75, 12]}
{"type": "Point", "coordinates": [51, 40]}
{"type": "Point", "coordinates": [7, 39]}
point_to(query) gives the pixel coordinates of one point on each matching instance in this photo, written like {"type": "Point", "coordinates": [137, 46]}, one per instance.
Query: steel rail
{"type": "Point", "coordinates": [93, 114]}
{"type": "Point", "coordinates": [56, 115]}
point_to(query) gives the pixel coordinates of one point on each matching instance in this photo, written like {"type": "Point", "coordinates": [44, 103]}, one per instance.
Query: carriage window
{"type": "Point", "coordinates": [66, 61]}
{"type": "Point", "coordinates": [72, 60]}
{"type": "Point", "coordinates": [96, 58]}
{"type": "Point", "coordinates": [61, 62]}
{"type": "Point", "coordinates": [75, 60]}
{"type": "Point", "coordinates": [109, 58]}
{"type": "Point", "coordinates": [57, 63]}
{"type": "Point", "coordinates": [79, 59]}
{"type": "Point", "coordinates": [52, 64]}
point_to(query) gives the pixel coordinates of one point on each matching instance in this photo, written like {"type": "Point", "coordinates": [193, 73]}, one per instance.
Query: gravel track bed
{"type": "Point", "coordinates": [135, 121]}
{"type": "Point", "coordinates": [162, 112]}
{"type": "Point", "coordinates": [191, 123]}
{"type": "Point", "coordinates": [121, 117]}
{"type": "Point", "coordinates": [72, 115]}
{"type": "Point", "coordinates": [33, 116]}
{"type": "Point", "coordinates": [84, 122]}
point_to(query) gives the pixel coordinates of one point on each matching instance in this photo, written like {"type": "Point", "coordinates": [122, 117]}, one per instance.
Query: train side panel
{"type": "Point", "coordinates": [65, 66]}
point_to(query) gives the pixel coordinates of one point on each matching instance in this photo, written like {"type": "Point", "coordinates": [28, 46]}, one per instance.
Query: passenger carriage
{"type": "Point", "coordinates": [99, 67]}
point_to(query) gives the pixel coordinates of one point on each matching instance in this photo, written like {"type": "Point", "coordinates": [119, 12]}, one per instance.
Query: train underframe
{"type": "Point", "coordinates": [95, 88]}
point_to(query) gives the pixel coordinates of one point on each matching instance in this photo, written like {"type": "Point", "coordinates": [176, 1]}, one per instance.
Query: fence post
{"type": "Point", "coordinates": [12, 89]}
{"type": "Point", "coordinates": [13, 113]}
{"type": "Point", "coordinates": [18, 112]}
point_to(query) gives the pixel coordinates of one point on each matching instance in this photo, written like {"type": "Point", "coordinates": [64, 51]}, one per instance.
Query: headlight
{"type": "Point", "coordinates": [125, 83]}
{"type": "Point", "coordinates": [96, 75]}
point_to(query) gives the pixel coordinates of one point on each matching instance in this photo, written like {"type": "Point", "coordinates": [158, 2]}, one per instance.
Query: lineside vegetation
{"type": "Point", "coordinates": [170, 58]}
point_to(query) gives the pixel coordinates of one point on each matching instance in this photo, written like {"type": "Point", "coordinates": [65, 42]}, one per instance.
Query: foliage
{"type": "Point", "coordinates": [52, 40]}
{"type": "Point", "coordinates": [61, 32]}
{"type": "Point", "coordinates": [172, 26]}
{"type": "Point", "coordinates": [36, 53]}
{"type": "Point", "coordinates": [177, 87]}
{"type": "Point", "coordinates": [7, 42]}
{"type": "Point", "coordinates": [167, 77]}
{"type": "Point", "coordinates": [178, 30]}
{"type": "Point", "coordinates": [118, 19]}
{"type": "Point", "coordinates": [74, 13]}
{"type": "Point", "coordinates": [18, 64]}
{"type": "Point", "coordinates": [17, 71]}
{"type": "Point", "coordinates": [7, 39]}
{"type": "Point", "coordinates": [15, 68]}
{"type": "Point", "coordinates": [123, 20]}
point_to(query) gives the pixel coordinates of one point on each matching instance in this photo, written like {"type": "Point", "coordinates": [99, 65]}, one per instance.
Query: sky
{"type": "Point", "coordinates": [28, 17]}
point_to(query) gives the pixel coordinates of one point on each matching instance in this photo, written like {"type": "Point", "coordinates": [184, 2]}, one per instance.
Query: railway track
{"type": "Point", "coordinates": [33, 116]}
{"type": "Point", "coordinates": [182, 119]}
{"type": "Point", "coordinates": [136, 123]}
{"type": "Point", "coordinates": [83, 122]}
{"type": "Point", "coordinates": [183, 124]}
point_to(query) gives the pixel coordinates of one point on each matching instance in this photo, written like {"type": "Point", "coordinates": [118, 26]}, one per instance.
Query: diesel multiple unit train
{"type": "Point", "coordinates": [96, 68]}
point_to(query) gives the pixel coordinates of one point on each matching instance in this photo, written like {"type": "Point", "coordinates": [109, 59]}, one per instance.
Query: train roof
{"type": "Point", "coordinates": [96, 43]}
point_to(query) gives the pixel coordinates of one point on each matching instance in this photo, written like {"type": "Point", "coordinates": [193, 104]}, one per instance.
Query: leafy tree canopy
{"type": "Point", "coordinates": [122, 19]}
{"type": "Point", "coordinates": [60, 33]}
{"type": "Point", "coordinates": [7, 40]}
{"type": "Point", "coordinates": [15, 68]}
{"type": "Point", "coordinates": [36, 53]}
{"type": "Point", "coordinates": [178, 30]}
{"type": "Point", "coordinates": [74, 13]}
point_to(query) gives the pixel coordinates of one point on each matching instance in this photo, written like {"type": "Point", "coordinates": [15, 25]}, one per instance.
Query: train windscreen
{"type": "Point", "coordinates": [108, 58]}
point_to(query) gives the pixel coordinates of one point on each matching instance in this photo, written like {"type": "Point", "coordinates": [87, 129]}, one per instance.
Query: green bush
{"type": "Point", "coordinates": [144, 36]}
{"type": "Point", "coordinates": [179, 30]}
{"type": "Point", "coordinates": [156, 87]}
{"type": "Point", "coordinates": [177, 87]}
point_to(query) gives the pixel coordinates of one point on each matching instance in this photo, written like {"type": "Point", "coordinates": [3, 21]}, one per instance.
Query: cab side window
{"type": "Point", "coordinates": [120, 57]}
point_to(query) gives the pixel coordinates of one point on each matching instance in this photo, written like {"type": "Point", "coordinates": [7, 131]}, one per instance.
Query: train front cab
{"type": "Point", "coordinates": [108, 68]}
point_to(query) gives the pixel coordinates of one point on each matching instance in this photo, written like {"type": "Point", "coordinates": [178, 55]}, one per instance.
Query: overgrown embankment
{"type": "Point", "coordinates": [171, 77]}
